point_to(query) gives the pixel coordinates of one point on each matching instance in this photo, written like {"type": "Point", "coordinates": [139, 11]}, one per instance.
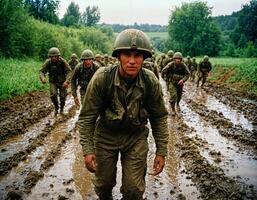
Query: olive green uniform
{"type": "Point", "coordinates": [124, 110]}
{"type": "Point", "coordinates": [58, 73]}
{"type": "Point", "coordinates": [81, 76]}
{"type": "Point", "coordinates": [152, 67]}
{"type": "Point", "coordinates": [194, 66]}
{"type": "Point", "coordinates": [203, 70]}
{"type": "Point", "coordinates": [174, 73]}
{"type": "Point", "coordinates": [73, 63]}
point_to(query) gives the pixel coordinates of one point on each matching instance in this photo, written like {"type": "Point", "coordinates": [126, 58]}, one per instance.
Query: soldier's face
{"type": "Point", "coordinates": [177, 60]}
{"type": "Point", "coordinates": [131, 62]}
{"type": "Point", "coordinates": [54, 58]}
{"type": "Point", "coordinates": [87, 62]}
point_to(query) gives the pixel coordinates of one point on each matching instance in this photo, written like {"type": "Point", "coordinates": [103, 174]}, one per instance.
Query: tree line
{"type": "Point", "coordinates": [29, 27]}
{"type": "Point", "coordinates": [194, 31]}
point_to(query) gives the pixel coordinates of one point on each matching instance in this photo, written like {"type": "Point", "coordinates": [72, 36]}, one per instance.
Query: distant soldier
{"type": "Point", "coordinates": [99, 61]}
{"type": "Point", "coordinates": [188, 63]}
{"type": "Point", "coordinates": [82, 75]}
{"type": "Point", "coordinates": [148, 64]}
{"type": "Point", "coordinates": [73, 61]}
{"type": "Point", "coordinates": [59, 73]}
{"type": "Point", "coordinates": [203, 70]}
{"type": "Point", "coordinates": [194, 66]}
{"type": "Point", "coordinates": [177, 73]}
{"type": "Point", "coordinates": [168, 58]}
{"type": "Point", "coordinates": [160, 62]}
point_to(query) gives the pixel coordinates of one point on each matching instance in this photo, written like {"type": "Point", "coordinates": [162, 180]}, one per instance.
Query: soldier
{"type": "Point", "coordinates": [160, 62]}
{"type": "Point", "coordinates": [203, 70]}
{"type": "Point", "coordinates": [168, 58]}
{"type": "Point", "coordinates": [73, 61]}
{"type": "Point", "coordinates": [99, 61]}
{"type": "Point", "coordinates": [177, 74]}
{"type": "Point", "coordinates": [122, 98]}
{"type": "Point", "coordinates": [194, 66]}
{"type": "Point", "coordinates": [83, 74]}
{"type": "Point", "coordinates": [59, 73]}
{"type": "Point", "coordinates": [148, 64]}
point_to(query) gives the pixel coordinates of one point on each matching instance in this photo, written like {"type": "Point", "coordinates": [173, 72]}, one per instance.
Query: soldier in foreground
{"type": "Point", "coordinates": [203, 70]}
{"type": "Point", "coordinates": [121, 98]}
{"type": "Point", "coordinates": [176, 73]}
{"type": "Point", "coordinates": [82, 74]}
{"type": "Point", "coordinates": [59, 73]}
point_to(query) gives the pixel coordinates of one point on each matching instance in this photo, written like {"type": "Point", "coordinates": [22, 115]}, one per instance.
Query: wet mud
{"type": "Point", "coordinates": [211, 150]}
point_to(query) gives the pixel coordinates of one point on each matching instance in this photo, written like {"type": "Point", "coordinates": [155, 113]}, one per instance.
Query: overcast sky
{"type": "Point", "coordinates": [146, 11]}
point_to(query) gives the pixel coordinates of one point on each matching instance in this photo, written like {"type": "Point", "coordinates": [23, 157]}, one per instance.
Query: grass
{"type": "Point", "coordinates": [19, 76]}
{"type": "Point", "coordinates": [238, 73]}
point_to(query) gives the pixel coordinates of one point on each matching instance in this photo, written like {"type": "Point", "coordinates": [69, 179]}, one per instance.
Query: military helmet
{"type": "Point", "coordinates": [54, 51]}
{"type": "Point", "coordinates": [98, 56]}
{"type": "Point", "coordinates": [170, 53]}
{"type": "Point", "coordinates": [206, 58]}
{"type": "Point", "coordinates": [87, 54]}
{"type": "Point", "coordinates": [178, 55]}
{"type": "Point", "coordinates": [132, 39]}
{"type": "Point", "coordinates": [188, 57]}
{"type": "Point", "coordinates": [193, 58]}
{"type": "Point", "coordinates": [74, 55]}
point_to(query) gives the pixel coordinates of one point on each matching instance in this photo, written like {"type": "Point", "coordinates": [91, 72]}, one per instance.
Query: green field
{"type": "Point", "coordinates": [21, 76]}
{"type": "Point", "coordinates": [18, 77]}
{"type": "Point", "coordinates": [162, 35]}
{"type": "Point", "coordinates": [239, 73]}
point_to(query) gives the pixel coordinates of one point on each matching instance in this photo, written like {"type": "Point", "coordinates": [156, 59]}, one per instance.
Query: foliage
{"type": "Point", "coordinates": [24, 77]}
{"type": "Point", "coordinates": [143, 27]}
{"type": "Point", "coordinates": [242, 73]}
{"type": "Point", "coordinates": [192, 30]}
{"type": "Point", "coordinates": [247, 21]}
{"type": "Point", "coordinates": [239, 31]}
{"type": "Point", "coordinates": [72, 15]}
{"type": "Point", "coordinates": [43, 9]}
{"type": "Point", "coordinates": [91, 16]}
{"type": "Point", "coordinates": [32, 38]}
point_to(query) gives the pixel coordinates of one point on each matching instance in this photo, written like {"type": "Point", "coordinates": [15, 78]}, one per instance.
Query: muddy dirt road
{"type": "Point", "coordinates": [212, 150]}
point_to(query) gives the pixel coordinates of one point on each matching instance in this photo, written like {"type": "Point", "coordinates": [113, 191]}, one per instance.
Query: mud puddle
{"type": "Point", "coordinates": [23, 177]}
{"type": "Point", "coordinates": [220, 151]}
{"type": "Point", "coordinates": [212, 103]}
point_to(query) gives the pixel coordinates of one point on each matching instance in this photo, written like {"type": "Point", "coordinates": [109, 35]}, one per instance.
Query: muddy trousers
{"type": "Point", "coordinates": [175, 93]}
{"type": "Point", "coordinates": [55, 91]}
{"type": "Point", "coordinates": [132, 150]}
{"type": "Point", "coordinates": [202, 76]}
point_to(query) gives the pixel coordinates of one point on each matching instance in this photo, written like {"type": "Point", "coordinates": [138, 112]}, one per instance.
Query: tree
{"type": "Point", "coordinates": [192, 30]}
{"type": "Point", "coordinates": [43, 9]}
{"type": "Point", "coordinates": [72, 15]}
{"type": "Point", "coordinates": [13, 28]}
{"type": "Point", "coordinates": [91, 16]}
{"type": "Point", "coordinates": [247, 21]}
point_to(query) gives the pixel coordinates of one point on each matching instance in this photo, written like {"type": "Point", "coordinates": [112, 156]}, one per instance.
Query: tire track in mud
{"type": "Point", "coordinates": [7, 164]}
{"type": "Point", "coordinates": [16, 119]}
{"type": "Point", "coordinates": [235, 100]}
{"type": "Point", "coordinates": [210, 180]}
{"type": "Point", "coordinates": [226, 127]}
{"type": "Point", "coordinates": [32, 173]}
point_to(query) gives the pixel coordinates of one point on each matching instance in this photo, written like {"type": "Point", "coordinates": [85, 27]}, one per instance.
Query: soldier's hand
{"type": "Point", "coordinates": [76, 100]}
{"type": "Point", "coordinates": [181, 82]}
{"type": "Point", "coordinates": [158, 165]}
{"type": "Point", "coordinates": [65, 85]}
{"type": "Point", "coordinates": [90, 162]}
